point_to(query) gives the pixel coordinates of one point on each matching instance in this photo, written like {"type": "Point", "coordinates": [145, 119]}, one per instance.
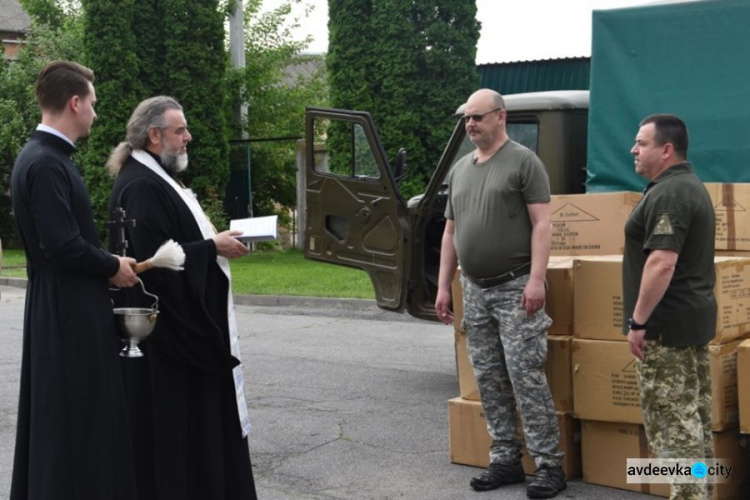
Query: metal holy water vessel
{"type": "Point", "coordinates": [135, 324]}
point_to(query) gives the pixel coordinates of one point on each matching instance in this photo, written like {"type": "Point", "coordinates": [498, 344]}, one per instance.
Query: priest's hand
{"type": "Point", "coordinates": [228, 246]}
{"type": "Point", "coordinates": [125, 276]}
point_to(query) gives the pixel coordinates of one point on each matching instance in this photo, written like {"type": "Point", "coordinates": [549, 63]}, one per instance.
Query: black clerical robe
{"type": "Point", "coordinates": [72, 438]}
{"type": "Point", "coordinates": [188, 440]}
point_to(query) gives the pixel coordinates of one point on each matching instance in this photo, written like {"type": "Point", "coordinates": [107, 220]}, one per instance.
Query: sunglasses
{"type": "Point", "coordinates": [478, 117]}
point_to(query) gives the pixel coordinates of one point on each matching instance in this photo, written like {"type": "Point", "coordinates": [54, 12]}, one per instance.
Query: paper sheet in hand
{"type": "Point", "coordinates": [255, 228]}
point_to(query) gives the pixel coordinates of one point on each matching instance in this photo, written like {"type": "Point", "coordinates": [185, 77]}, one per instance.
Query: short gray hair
{"type": "Point", "coordinates": [147, 115]}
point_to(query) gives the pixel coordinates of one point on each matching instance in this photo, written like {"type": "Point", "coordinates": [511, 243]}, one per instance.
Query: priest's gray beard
{"type": "Point", "coordinates": [173, 162]}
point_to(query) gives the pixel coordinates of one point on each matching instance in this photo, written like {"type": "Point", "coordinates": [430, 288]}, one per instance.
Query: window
{"type": "Point", "coordinates": [347, 151]}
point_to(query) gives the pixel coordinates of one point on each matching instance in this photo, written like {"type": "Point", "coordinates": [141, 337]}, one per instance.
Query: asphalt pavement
{"type": "Point", "coordinates": [346, 401]}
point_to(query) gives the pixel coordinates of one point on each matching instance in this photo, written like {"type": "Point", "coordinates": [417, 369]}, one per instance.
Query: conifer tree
{"type": "Point", "coordinates": [194, 66]}
{"type": "Point", "coordinates": [109, 49]}
{"type": "Point", "coordinates": [410, 64]}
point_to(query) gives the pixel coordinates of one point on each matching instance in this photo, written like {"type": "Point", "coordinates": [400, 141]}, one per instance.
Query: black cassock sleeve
{"type": "Point", "coordinates": [186, 330]}
{"type": "Point", "coordinates": [51, 199]}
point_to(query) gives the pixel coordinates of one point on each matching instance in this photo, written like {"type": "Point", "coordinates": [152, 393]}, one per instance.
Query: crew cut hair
{"type": "Point", "coordinates": [59, 81]}
{"type": "Point", "coordinates": [670, 129]}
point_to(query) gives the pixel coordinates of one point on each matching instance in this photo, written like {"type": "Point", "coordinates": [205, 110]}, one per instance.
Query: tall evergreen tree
{"type": "Point", "coordinates": [410, 64]}
{"type": "Point", "coordinates": [109, 47]}
{"type": "Point", "coordinates": [149, 24]}
{"type": "Point", "coordinates": [195, 65]}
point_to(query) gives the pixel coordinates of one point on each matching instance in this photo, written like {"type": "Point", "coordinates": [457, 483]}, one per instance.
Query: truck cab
{"type": "Point", "coordinates": [354, 212]}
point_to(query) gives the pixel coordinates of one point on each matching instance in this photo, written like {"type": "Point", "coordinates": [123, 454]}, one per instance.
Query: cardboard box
{"type": "Point", "coordinates": [559, 371]}
{"type": "Point", "coordinates": [557, 368]}
{"type": "Point", "coordinates": [607, 446]}
{"type": "Point", "coordinates": [560, 293]}
{"type": "Point", "coordinates": [732, 298]}
{"type": "Point", "coordinates": [605, 385]}
{"type": "Point", "coordinates": [743, 385]}
{"type": "Point", "coordinates": [470, 442]}
{"type": "Point", "coordinates": [590, 224]}
{"type": "Point", "coordinates": [467, 383]}
{"type": "Point", "coordinates": [732, 208]}
{"type": "Point", "coordinates": [598, 305]}
{"type": "Point", "coordinates": [597, 311]}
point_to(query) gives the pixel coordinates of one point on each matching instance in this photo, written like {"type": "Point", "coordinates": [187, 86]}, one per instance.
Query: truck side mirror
{"type": "Point", "coordinates": [400, 165]}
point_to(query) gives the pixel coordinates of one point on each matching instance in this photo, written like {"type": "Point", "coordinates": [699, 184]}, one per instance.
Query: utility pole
{"type": "Point", "coordinates": [237, 57]}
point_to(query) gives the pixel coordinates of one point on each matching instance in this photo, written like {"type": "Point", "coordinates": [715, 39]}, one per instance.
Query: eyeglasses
{"type": "Point", "coordinates": [478, 117]}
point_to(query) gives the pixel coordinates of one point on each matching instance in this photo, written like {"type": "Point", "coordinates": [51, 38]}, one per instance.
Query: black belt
{"type": "Point", "coordinates": [503, 278]}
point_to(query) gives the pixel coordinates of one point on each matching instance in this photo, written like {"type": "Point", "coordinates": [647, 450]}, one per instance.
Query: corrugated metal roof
{"type": "Point", "coordinates": [533, 76]}
{"type": "Point", "coordinates": [13, 18]}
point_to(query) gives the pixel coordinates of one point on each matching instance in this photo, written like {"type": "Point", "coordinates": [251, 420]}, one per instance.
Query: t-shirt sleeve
{"type": "Point", "coordinates": [667, 223]}
{"type": "Point", "coordinates": [534, 179]}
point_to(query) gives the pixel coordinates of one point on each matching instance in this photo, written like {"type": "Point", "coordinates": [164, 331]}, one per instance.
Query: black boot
{"type": "Point", "coordinates": [549, 481]}
{"type": "Point", "coordinates": [497, 475]}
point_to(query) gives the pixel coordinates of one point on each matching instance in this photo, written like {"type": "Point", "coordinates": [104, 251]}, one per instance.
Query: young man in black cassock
{"type": "Point", "coordinates": [72, 438]}
{"type": "Point", "coordinates": [187, 395]}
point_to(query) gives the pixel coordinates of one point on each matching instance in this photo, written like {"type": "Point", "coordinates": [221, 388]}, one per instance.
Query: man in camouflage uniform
{"type": "Point", "coordinates": [668, 283]}
{"type": "Point", "coordinates": [498, 227]}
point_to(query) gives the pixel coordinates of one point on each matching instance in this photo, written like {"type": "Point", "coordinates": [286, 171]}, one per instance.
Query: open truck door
{"type": "Point", "coordinates": [355, 215]}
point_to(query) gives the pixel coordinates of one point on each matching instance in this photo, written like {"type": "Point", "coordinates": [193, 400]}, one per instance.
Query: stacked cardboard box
{"type": "Point", "coordinates": [470, 442]}
{"type": "Point", "coordinates": [598, 298]}
{"type": "Point", "coordinates": [606, 446]}
{"type": "Point", "coordinates": [732, 207]}
{"type": "Point", "coordinates": [605, 387]}
{"type": "Point", "coordinates": [604, 380]}
{"type": "Point", "coordinates": [584, 300]}
{"type": "Point", "coordinates": [559, 303]}
{"type": "Point", "coordinates": [590, 224]}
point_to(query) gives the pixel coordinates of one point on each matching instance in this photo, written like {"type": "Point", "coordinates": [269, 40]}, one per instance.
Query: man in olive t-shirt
{"type": "Point", "coordinates": [668, 282]}
{"type": "Point", "coordinates": [498, 227]}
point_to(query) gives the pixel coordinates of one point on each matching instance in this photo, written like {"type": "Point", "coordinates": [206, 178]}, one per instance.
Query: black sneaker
{"type": "Point", "coordinates": [549, 481]}
{"type": "Point", "coordinates": [497, 475]}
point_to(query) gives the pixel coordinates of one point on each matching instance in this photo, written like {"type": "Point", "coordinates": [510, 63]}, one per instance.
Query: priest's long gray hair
{"type": "Point", "coordinates": [147, 115]}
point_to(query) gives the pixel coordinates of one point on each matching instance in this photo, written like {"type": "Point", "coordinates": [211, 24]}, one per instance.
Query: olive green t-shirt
{"type": "Point", "coordinates": [487, 201]}
{"type": "Point", "coordinates": [675, 214]}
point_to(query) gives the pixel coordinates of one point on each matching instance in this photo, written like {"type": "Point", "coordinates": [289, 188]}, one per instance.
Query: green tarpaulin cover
{"type": "Point", "coordinates": [691, 59]}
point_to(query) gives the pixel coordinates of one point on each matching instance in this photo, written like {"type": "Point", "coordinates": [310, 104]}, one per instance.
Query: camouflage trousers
{"type": "Point", "coordinates": [508, 351]}
{"type": "Point", "coordinates": [675, 385]}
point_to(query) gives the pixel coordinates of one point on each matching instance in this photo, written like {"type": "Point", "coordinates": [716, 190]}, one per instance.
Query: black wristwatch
{"type": "Point", "coordinates": [632, 325]}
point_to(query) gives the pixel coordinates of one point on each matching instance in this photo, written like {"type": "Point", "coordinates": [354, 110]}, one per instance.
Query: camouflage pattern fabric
{"type": "Point", "coordinates": [508, 352]}
{"type": "Point", "coordinates": [675, 385]}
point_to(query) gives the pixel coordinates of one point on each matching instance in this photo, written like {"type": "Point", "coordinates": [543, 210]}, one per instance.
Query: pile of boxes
{"type": "Point", "coordinates": [590, 369]}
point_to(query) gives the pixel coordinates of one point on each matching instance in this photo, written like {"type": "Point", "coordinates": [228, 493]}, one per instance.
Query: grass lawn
{"type": "Point", "coordinates": [266, 273]}
{"type": "Point", "coordinates": [13, 264]}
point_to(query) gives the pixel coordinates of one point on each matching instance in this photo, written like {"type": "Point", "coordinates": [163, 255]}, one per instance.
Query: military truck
{"type": "Point", "coordinates": [356, 216]}
{"type": "Point", "coordinates": [691, 59]}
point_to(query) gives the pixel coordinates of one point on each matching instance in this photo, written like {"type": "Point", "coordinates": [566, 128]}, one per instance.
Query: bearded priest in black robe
{"type": "Point", "coordinates": [72, 438]}
{"type": "Point", "coordinates": [189, 414]}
